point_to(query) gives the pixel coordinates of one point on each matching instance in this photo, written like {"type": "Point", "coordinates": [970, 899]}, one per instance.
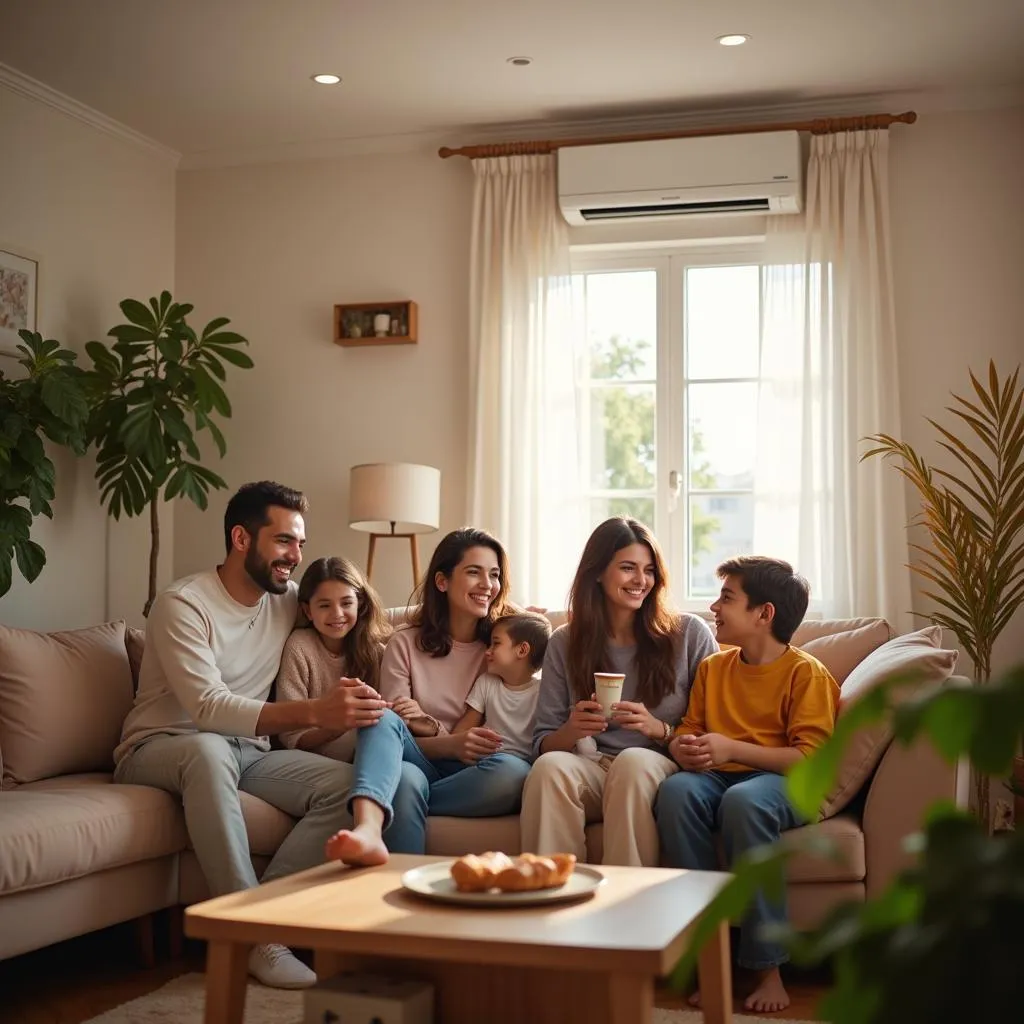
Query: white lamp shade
{"type": "Point", "coordinates": [399, 493]}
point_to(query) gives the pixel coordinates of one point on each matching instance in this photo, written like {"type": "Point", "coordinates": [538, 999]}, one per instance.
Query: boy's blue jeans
{"type": "Point", "coordinates": [749, 809]}
{"type": "Point", "coordinates": [387, 753]}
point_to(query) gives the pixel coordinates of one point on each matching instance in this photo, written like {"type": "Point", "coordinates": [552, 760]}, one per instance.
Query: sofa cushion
{"type": "Point", "coordinates": [455, 837]}
{"type": "Point", "coordinates": [811, 629]}
{"type": "Point", "coordinates": [60, 829]}
{"type": "Point", "coordinates": [135, 644]}
{"type": "Point", "coordinates": [917, 654]}
{"type": "Point", "coordinates": [848, 864]}
{"type": "Point", "coordinates": [842, 652]}
{"type": "Point", "coordinates": [63, 699]}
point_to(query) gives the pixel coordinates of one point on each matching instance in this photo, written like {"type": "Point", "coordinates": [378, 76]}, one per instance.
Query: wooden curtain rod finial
{"type": "Point", "coordinates": [819, 126]}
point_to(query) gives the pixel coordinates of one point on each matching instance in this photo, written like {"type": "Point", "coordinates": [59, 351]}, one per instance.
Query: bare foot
{"type": "Point", "coordinates": [361, 846]}
{"type": "Point", "coordinates": [770, 994]}
{"type": "Point", "coordinates": [694, 999]}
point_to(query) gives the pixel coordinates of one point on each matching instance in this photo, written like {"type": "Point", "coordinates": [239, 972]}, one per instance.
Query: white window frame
{"type": "Point", "coordinates": [671, 518]}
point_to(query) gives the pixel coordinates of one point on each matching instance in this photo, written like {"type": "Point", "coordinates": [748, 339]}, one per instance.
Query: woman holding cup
{"type": "Point", "coordinates": [617, 677]}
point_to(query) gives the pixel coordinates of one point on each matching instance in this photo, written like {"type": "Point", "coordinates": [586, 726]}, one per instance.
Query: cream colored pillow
{"type": "Point", "coordinates": [135, 643]}
{"type": "Point", "coordinates": [63, 699]}
{"type": "Point", "coordinates": [812, 629]}
{"type": "Point", "coordinates": [842, 652]}
{"type": "Point", "coordinates": [913, 653]}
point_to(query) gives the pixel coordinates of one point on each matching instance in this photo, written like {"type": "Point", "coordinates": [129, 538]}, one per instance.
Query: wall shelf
{"type": "Point", "coordinates": [353, 323]}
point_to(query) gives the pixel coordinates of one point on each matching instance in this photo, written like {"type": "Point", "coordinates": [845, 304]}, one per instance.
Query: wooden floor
{"type": "Point", "coordinates": [75, 980]}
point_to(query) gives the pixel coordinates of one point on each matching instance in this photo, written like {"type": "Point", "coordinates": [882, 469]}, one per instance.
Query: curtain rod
{"type": "Point", "coordinates": [819, 126]}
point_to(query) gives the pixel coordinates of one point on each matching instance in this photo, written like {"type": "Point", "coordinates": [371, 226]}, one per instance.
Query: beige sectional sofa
{"type": "Point", "coordinates": [78, 852]}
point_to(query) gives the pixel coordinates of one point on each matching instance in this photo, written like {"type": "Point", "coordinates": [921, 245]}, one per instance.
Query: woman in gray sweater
{"type": "Point", "coordinates": [619, 622]}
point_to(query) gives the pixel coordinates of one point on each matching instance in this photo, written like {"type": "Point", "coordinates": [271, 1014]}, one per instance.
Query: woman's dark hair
{"type": "Point", "coordinates": [430, 605]}
{"type": "Point", "coordinates": [654, 625]}
{"type": "Point", "coordinates": [363, 645]}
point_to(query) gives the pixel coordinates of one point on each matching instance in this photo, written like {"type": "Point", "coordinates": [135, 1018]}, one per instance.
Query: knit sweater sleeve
{"type": "Point", "coordinates": [294, 681]}
{"type": "Point", "coordinates": [180, 638]}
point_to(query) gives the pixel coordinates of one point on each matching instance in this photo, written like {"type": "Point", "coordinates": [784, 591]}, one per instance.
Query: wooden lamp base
{"type": "Point", "coordinates": [414, 551]}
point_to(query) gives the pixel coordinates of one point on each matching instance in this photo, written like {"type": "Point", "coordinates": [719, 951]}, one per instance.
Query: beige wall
{"type": "Point", "coordinates": [98, 213]}
{"type": "Point", "coordinates": [274, 247]}
{"type": "Point", "coordinates": [958, 254]}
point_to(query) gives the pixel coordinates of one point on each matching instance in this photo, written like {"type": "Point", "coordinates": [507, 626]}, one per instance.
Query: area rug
{"type": "Point", "coordinates": [181, 1002]}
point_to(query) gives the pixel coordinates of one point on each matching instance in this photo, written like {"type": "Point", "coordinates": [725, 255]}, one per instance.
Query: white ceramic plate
{"type": "Point", "coordinates": [435, 882]}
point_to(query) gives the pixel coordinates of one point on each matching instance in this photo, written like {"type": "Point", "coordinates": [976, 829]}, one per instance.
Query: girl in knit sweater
{"type": "Point", "coordinates": [344, 639]}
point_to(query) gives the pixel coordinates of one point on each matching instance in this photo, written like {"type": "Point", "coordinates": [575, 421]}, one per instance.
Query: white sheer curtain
{"type": "Point", "coordinates": [828, 379]}
{"type": "Point", "coordinates": [523, 451]}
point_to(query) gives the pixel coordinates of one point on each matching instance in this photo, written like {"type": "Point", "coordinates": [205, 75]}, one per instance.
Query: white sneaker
{"type": "Point", "coordinates": [278, 967]}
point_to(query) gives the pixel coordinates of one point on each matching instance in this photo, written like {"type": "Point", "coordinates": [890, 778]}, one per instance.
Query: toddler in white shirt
{"type": "Point", "coordinates": [504, 699]}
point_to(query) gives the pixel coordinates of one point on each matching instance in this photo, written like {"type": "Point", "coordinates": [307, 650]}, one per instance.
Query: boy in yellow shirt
{"type": "Point", "coordinates": [755, 709]}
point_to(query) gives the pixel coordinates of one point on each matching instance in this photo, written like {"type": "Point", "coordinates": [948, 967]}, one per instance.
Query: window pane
{"type": "Point", "coordinates": [621, 311]}
{"type": "Point", "coordinates": [639, 508]}
{"type": "Point", "coordinates": [722, 321]}
{"type": "Point", "coordinates": [720, 526]}
{"type": "Point", "coordinates": [722, 435]}
{"type": "Point", "coordinates": [621, 437]}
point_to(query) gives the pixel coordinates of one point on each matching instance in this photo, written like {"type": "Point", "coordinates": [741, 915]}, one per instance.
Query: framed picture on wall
{"type": "Point", "coordinates": [19, 280]}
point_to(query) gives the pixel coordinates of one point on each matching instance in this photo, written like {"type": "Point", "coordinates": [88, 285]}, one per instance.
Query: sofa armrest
{"type": "Point", "coordinates": [906, 783]}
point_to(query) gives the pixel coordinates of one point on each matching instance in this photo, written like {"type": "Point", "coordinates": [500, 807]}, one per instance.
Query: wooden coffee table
{"type": "Point", "coordinates": [595, 961]}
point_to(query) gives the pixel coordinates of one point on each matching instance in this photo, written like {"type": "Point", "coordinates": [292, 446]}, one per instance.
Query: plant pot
{"type": "Point", "coordinates": [1018, 794]}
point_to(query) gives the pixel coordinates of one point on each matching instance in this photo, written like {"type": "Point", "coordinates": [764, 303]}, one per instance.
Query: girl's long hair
{"type": "Point", "coordinates": [430, 605]}
{"type": "Point", "coordinates": [654, 625]}
{"type": "Point", "coordinates": [363, 645]}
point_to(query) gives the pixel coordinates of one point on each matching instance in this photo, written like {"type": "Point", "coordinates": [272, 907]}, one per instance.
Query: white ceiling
{"type": "Point", "coordinates": [208, 76]}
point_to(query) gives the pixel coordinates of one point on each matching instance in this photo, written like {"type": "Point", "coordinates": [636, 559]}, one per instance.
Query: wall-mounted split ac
{"type": "Point", "coordinates": [674, 178]}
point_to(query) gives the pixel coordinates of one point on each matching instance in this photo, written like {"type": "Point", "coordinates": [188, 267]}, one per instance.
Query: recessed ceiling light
{"type": "Point", "coordinates": [326, 79]}
{"type": "Point", "coordinates": [737, 39]}
{"type": "Point", "coordinates": [519, 62]}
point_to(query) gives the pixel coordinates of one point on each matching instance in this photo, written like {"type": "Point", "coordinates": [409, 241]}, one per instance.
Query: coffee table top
{"type": "Point", "coordinates": [637, 922]}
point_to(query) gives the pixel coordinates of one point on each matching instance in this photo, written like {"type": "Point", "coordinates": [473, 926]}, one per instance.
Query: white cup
{"type": "Point", "coordinates": [608, 687]}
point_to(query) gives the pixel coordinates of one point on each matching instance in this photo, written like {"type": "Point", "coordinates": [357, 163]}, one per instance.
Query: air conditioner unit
{"type": "Point", "coordinates": [675, 178]}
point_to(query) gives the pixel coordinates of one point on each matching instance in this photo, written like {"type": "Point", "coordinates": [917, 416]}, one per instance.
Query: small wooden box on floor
{"type": "Point", "coordinates": [369, 999]}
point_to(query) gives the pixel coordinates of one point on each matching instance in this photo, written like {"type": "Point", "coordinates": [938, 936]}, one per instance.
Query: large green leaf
{"type": "Point", "coordinates": [232, 356]}
{"type": "Point", "coordinates": [62, 395]}
{"type": "Point", "coordinates": [138, 314]}
{"type": "Point", "coordinates": [31, 559]}
{"type": "Point", "coordinates": [6, 575]}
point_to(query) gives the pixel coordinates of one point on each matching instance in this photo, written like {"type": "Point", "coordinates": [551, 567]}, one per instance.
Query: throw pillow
{"type": "Point", "coordinates": [63, 699]}
{"type": "Point", "coordinates": [135, 643]}
{"type": "Point", "coordinates": [842, 652]}
{"type": "Point", "coordinates": [915, 653]}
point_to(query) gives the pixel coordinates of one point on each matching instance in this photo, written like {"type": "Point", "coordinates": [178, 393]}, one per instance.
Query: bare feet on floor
{"type": "Point", "coordinates": [694, 999]}
{"type": "Point", "coordinates": [769, 995]}
{"type": "Point", "coordinates": [360, 846]}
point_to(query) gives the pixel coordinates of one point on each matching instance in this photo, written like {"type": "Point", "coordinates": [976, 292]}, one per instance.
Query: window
{"type": "Point", "coordinates": [669, 382]}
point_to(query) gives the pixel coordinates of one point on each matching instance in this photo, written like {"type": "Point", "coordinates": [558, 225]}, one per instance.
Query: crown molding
{"type": "Point", "coordinates": [31, 88]}
{"type": "Point", "coordinates": [930, 102]}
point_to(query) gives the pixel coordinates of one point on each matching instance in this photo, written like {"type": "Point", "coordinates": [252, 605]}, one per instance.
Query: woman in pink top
{"type": "Point", "coordinates": [427, 672]}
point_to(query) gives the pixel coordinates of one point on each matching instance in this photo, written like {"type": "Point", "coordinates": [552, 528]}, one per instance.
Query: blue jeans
{"type": "Point", "coordinates": [749, 809]}
{"type": "Point", "coordinates": [387, 754]}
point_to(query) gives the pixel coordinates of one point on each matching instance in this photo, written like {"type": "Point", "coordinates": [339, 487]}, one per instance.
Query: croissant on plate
{"type": "Point", "coordinates": [525, 873]}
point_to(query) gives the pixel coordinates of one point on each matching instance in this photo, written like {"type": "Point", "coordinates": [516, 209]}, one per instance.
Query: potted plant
{"type": "Point", "coordinates": [151, 394]}
{"type": "Point", "coordinates": [974, 515]}
{"type": "Point", "coordinates": [943, 943]}
{"type": "Point", "coordinates": [48, 401]}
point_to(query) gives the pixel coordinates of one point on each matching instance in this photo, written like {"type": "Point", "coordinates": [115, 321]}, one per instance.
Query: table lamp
{"type": "Point", "coordinates": [394, 499]}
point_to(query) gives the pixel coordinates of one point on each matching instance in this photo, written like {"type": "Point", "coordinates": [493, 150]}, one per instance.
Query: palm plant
{"type": "Point", "coordinates": [152, 392]}
{"type": "Point", "coordinates": [974, 517]}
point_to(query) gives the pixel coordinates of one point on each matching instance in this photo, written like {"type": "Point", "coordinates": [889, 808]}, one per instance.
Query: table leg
{"type": "Point", "coordinates": [227, 971]}
{"type": "Point", "coordinates": [715, 977]}
{"type": "Point", "coordinates": [630, 999]}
